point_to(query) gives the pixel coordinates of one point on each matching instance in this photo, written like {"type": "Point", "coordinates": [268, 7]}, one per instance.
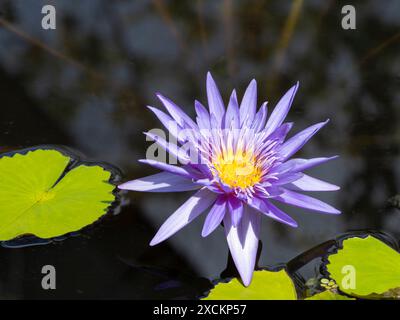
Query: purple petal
{"type": "Point", "coordinates": [203, 118]}
{"type": "Point", "coordinates": [176, 112]}
{"type": "Point", "coordinates": [307, 202]}
{"type": "Point", "coordinates": [186, 213]}
{"type": "Point", "coordinates": [260, 118]}
{"type": "Point", "coordinates": [295, 143]}
{"type": "Point", "coordinates": [181, 171]}
{"type": "Point", "coordinates": [203, 169]}
{"type": "Point", "coordinates": [248, 105]}
{"type": "Point", "coordinates": [268, 209]}
{"type": "Point", "coordinates": [281, 110]}
{"type": "Point", "coordinates": [287, 178]}
{"type": "Point", "coordinates": [268, 191]}
{"type": "Point", "coordinates": [235, 207]}
{"type": "Point", "coordinates": [307, 183]}
{"type": "Point", "coordinates": [215, 102]}
{"type": "Point", "coordinates": [170, 124]}
{"type": "Point", "coordinates": [298, 165]}
{"type": "Point", "coordinates": [232, 116]}
{"type": "Point", "coordinates": [173, 149]}
{"type": "Point", "coordinates": [280, 133]}
{"type": "Point", "coordinates": [309, 163]}
{"type": "Point", "coordinates": [215, 216]}
{"type": "Point", "coordinates": [244, 255]}
{"type": "Point", "coordinates": [160, 182]}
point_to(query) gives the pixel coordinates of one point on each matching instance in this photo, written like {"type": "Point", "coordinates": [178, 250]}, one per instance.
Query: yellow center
{"type": "Point", "coordinates": [237, 170]}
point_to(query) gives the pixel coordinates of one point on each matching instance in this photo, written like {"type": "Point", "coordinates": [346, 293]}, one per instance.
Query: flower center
{"type": "Point", "coordinates": [237, 170]}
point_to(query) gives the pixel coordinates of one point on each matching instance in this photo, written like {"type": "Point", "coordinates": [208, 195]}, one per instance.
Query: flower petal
{"type": "Point", "coordinates": [271, 211]}
{"type": "Point", "coordinates": [248, 105]}
{"type": "Point", "coordinates": [295, 143]}
{"type": "Point", "coordinates": [307, 183]}
{"type": "Point", "coordinates": [170, 124]}
{"type": "Point", "coordinates": [307, 202]}
{"type": "Point", "coordinates": [186, 213]}
{"type": "Point", "coordinates": [287, 178]}
{"type": "Point", "coordinates": [160, 182]}
{"type": "Point", "coordinates": [215, 102]}
{"type": "Point", "coordinates": [235, 207]}
{"type": "Point", "coordinates": [280, 133]}
{"type": "Point", "coordinates": [260, 118]}
{"type": "Point", "coordinates": [232, 116]}
{"type": "Point", "coordinates": [181, 171]}
{"type": "Point", "coordinates": [215, 216]}
{"type": "Point", "coordinates": [203, 118]}
{"type": "Point", "coordinates": [173, 149]}
{"type": "Point", "coordinates": [298, 165]}
{"type": "Point", "coordinates": [281, 110]}
{"type": "Point", "coordinates": [244, 254]}
{"type": "Point", "coordinates": [176, 112]}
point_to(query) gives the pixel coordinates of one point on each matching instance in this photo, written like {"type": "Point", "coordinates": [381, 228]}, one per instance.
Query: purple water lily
{"type": "Point", "coordinates": [241, 166]}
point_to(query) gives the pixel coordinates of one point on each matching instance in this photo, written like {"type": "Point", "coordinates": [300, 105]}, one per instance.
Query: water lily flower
{"type": "Point", "coordinates": [242, 167]}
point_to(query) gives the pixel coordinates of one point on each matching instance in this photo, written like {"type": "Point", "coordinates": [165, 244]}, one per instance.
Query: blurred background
{"type": "Point", "coordinates": [86, 84]}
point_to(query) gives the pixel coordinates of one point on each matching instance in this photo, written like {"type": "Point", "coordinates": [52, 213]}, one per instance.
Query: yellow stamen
{"type": "Point", "coordinates": [237, 170]}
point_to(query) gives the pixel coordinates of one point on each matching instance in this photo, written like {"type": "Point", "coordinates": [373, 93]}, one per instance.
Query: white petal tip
{"type": "Point", "coordinates": [210, 79]}
{"type": "Point", "coordinates": [154, 110]}
{"type": "Point", "coordinates": [123, 187]}
{"type": "Point", "coordinates": [153, 242]}
{"type": "Point", "coordinates": [247, 281]}
{"type": "Point", "coordinates": [130, 185]}
{"type": "Point", "coordinates": [333, 211]}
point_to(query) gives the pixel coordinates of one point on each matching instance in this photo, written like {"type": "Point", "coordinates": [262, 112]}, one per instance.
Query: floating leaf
{"type": "Point", "coordinates": [365, 266]}
{"type": "Point", "coordinates": [266, 285]}
{"type": "Point", "coordinates": [40, 196]}
{"type": "Point", "coordinates": [329, 295]}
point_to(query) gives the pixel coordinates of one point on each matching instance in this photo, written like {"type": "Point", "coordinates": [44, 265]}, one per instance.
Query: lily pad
{"type": "Point", "coordinates": [266, 285]}
{"type": "Point", "coordinates": [329, 295]}
{"type": "Point", "coordinates": [42, 194]}
{"type": "Point", "coordinates": [365, 267]}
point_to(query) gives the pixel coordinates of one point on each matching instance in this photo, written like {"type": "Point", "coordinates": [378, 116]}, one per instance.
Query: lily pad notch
{"type": "Point", "coordinates": [48, 192]}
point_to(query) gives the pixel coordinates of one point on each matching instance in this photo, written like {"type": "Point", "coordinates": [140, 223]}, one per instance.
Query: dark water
{"type": "Point", "coordinates": [86, 85]}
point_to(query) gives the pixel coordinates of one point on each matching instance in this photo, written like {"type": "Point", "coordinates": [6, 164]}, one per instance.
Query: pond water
{"type": "Point", "coordinates": [87, 83]}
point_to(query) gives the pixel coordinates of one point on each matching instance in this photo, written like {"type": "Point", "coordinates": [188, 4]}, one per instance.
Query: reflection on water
{"type": "Point", "coordinates": [87, 83]}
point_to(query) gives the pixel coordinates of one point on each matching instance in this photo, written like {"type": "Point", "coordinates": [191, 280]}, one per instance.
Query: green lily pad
{"type": "Point", "coordinates": [266, 285]}
{"type": "Point", "coordinates": [365, 267]}
{"type": "Point", "coordinates": [41, 196]}
{"type": "Point", "coordinates": [329, 295]}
